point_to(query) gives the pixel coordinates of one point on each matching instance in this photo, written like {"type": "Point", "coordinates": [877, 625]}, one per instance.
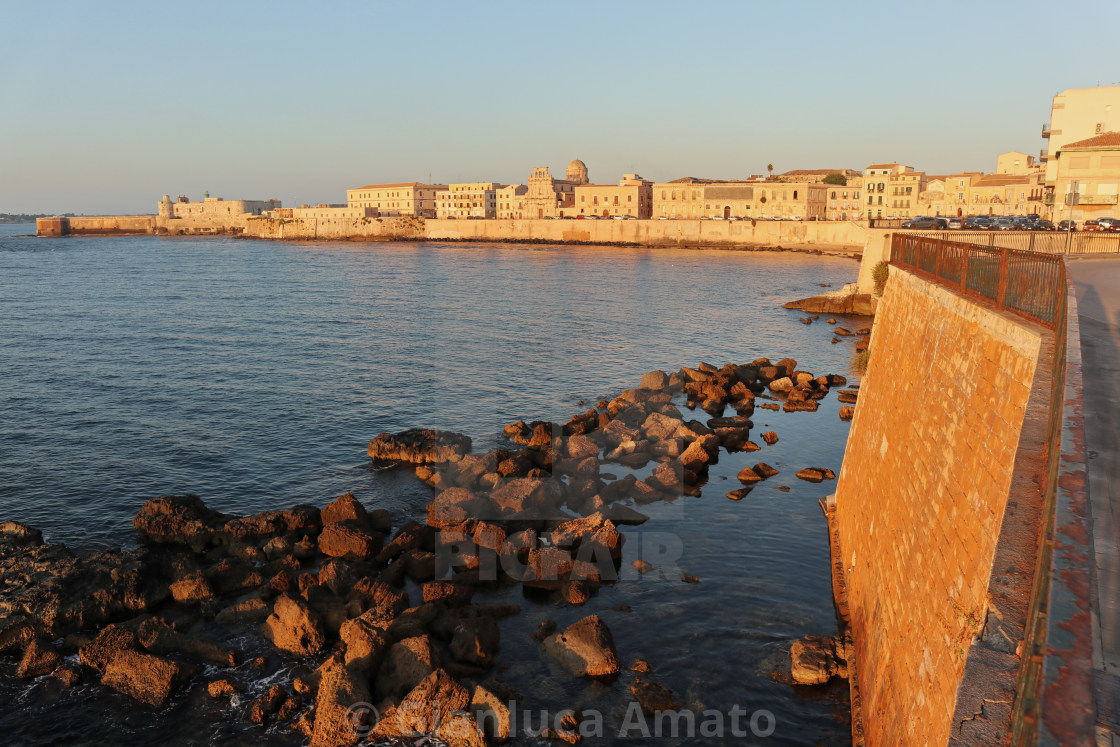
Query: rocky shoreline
{"type": "Point", "coordinates": [328, 587]}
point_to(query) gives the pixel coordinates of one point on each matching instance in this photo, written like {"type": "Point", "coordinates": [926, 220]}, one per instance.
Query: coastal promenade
{"type": "Point", "coordinates": [1097, 284]}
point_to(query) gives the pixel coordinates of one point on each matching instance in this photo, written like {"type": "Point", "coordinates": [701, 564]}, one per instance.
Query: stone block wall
{"type": "Point", "coordinates": [921, 498]}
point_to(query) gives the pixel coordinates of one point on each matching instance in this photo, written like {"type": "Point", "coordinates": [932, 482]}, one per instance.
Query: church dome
{"type": "Point", "coordinates": [577, 172]}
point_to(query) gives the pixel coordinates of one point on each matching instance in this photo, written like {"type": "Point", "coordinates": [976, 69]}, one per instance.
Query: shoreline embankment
{"type": "Point", "coordinates": [834, 237]}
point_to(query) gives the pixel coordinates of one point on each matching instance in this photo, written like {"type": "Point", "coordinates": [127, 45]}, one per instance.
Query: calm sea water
{"type": "Point", "coordinates": [254, 373]}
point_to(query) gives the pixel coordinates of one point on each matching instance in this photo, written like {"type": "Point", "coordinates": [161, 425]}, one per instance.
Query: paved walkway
{"type": "Point", "coordinates": [1097, 283]}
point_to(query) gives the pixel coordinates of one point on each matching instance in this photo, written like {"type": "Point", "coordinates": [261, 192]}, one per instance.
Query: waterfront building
{"type": "Point", "coordinates": [814, 176]}
{"type": "Point", "coordinates": [473, 200]}
{"type": "Point", "coordinates": [546, 197]}
{"type": "Point", "coordinates": [1078, 114]}
{"type": "Point", "coordinates": [511, 201]}
{"type": "Point", "coordinates": [707, 198]}
{"type": "Point", "coordinates": [403, 198]}
{"type": "Point", "coordinates": [892, 190]}
{"type": "Point", "coordinates": [632, 196]}
{"type": "Point", "coordinates": [1087, 174]}
{"type": "Point", "coordinates": [212, 207]}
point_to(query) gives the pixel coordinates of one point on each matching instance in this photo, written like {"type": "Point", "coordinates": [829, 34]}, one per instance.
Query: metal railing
{"type": "Point", "coordinates": [1046, 242]}
{"type": "Point", "coordinates": [1015, 280]}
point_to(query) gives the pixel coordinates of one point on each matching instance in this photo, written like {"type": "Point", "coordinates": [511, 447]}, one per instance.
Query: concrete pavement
{"type": "Point", "coordinates": [1097, 286]}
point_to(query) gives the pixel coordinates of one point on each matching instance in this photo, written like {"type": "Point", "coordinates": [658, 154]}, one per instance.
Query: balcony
{"type": "Point", "coordinates": [1044, 154]}
{"type": "Point", "coordinates": [1046, 130]}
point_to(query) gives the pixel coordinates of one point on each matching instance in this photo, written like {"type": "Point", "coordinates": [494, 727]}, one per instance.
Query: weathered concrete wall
{"type": "Point", "coordinates": [643, 232]}
{"type": "Point", "coordinates": [921, 497]}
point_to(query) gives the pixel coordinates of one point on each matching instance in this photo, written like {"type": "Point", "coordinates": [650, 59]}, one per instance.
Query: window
{"type": "Point", "coordinates": [795, 194]}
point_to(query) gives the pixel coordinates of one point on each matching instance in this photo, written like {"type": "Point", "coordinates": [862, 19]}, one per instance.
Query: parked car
{"type": "Point", "coordinates": [1021, 223]}
{"type": "Point", "coordinates": [1111, 225]}
{"type": "Point", "coordinates": [1067, 225]}
{"type": "Point", "coordinates": [1042, 225]}
{"type": "Point", "coordinates": [927, 223]}
{"type": "Point", "coordinates": [954, 222]}
{"type": "Point", "coordinates": [1091, 225]}
{"type": "Point", "coordinates": [979, 223]}
{"type": "Point", "coordinates": [1002, 224]}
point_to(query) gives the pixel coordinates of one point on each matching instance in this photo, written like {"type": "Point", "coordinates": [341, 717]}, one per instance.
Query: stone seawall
{"type": "Point", "coordinates": [824, 234]}
{"type": "Point", "coordinates": [921, 499]}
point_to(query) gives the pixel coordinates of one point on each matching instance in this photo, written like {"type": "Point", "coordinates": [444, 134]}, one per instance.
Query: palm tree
{"type": "Point", "coordinates": [770, 168]}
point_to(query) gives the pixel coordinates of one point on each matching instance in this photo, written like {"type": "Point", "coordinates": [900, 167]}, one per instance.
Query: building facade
{"type": "Point", "coordinates": [473, 200]}
{"type": "Point", "coordinates": [769, 199]}
{"type": "Point", "coordinates": [403, 198]}
{"type": "Point", "coordinates": [511, 201]}
{"type": "Point", "coordinates": [1078, 114]}
{"type": "Point", "coordinates": [631, 197]}
{"type": "Point", "coordinates": [546, 197]}
{"type": "Point", "coordinates": [1087, 175]}
{"type": "Point", "coordinates": [1014, 162]}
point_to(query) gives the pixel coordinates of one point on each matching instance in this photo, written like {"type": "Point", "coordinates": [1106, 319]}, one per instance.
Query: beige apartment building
{"type": "Point", "coordinates": [403, 198]}
{"type": "Point", "coordinates": [473, 200]}
{"type": "Point", "coordinates": [631, 197]}
{"type": "Point", "coordinates": [1087, 178]}
{"type": "Point", "coordinates": [893, 190]}
{"type": "Point", "coordinates": [1078, 114]}
{"type": "Point", "coordinates": [511, 201]}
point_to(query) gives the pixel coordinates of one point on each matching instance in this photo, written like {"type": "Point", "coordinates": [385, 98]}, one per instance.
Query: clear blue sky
{"type": "Point", "coordinates": [107, 105]}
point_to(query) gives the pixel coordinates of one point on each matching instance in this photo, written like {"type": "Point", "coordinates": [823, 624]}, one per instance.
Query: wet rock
{"type": "Point", "coordinates": [491, 711]}
{"type": "Point", "coordinates": [690, 579]}
{"type": "Point", "coordinates": [585, 648]}
{"type": "Point", "coordinates": [294, 627]}
{"type": "Point", "coordinates": [576, 592]}
{"type": "Point", "coordinates": [475, 641]}
{"type": "Point", "coordinates": [17, 535]}
{"type": "Point", "coordinates": [179, 519]}
{"type": "Point", "coordinates": [349, 540]}
{"type": "Point", "coordinates": [233, 577]}
{"type": "Point", "coordinates": [654, 380]}
{"type": "Point", "coordinates": [748, 476]}
{"type": "Point", "coordinates": [581, 447]}
{"type": "Point", "coordinates": [847, 397]}
{"type": "Point", "coordinates": [738, 495]}
{"type": "Point", "coordinates": [111, 640]}
{"type": "Point", "coordinates": [426, 707]}
{"type": "Point", "coordinates": [346, 508]}
{"type": "Point", "coordinates": [192, 589]}
{"type": "Point", "coordinates": [620, 514]}
{"type": "Point", "coordinates": [784, 384]}
{"type": "Point", "coordinates": [406, 664]}
{"type": "Point", "coordinates": [223, 688]}
{"type": "Point", "coordinates": [420, 446]}
{"type": "Point", "coordinates": [289, 708]}
{"type": "Point", "coordinates": [367, 640]}
{"type": "Point", "coordinates": [158, 637]}
{"type": "Point", "coordinates": [770, 437]}
{"type": "Point", "coordinates": [816, 474]}
{"type": "Point", "coordinates": [847, 412]}
{"type": "Point", "coordinates": [764, 470]}
{"type": "Point", "coordinates": [39, 658]}
{"type": "Point", "coordinates": [813, 660]}
{"type": "Point", "coordinates": [68, 674]}
{"type": "Point", "coordinates": [266, 705]}
{"type": "Point", "coordinates": [143, 677]}
{"type": "Point", "coordinates": [808, 406]}
{"type": "Point", "coordinates": [340, 688]}
{"type": "Point", "coordinates": [248, 611]}
{"type": "Point", "coordinates": [544, 630]}
{"type": "Point", "coordinates": [842, 331]}
{"type": "Point", "coordinates": [448, 593]}
{"type": "Point", "coordinates": [653, 697]}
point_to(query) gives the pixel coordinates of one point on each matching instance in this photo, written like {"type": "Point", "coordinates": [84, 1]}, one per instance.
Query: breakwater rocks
{"type": "Point", "coordinates": [360, 610]}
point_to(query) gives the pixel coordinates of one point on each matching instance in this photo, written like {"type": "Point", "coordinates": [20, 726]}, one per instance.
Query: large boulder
{"type": "Point", "coordinates": [366, 639]}
{"type": "Point", "coordinates": [420, 446]}
{"type": "Point", "coordinates": [475, 640]}
{"type": "Point", "coordinates": [654, 380]}
{"type": "Point", "coordinates": [179, 519]}
{"type": "Point", "coordinates": [407, 663]}
{"type": "Point", "coordinates": [112, 639]}
{"type": "Point", "coordinates": [345, 508]}
{"type": "Point", "coordinates": [337, 721]}
{"type": "Point", "coordinates": [39, 658]}
{"type": "Point", "coordinates": [813, 660]}
{"type": "Point", "coordinates": [428, 707]}
{"type": "Point", "coordinates": [585, 649]}
{"type": "Point", "coordinates": [143, 677]}
{"type": "Point", "coordinates": [157, 637]}
{"type": "Point", "coordinates": [349, 540]}
{"type": "Point", "coordinates": [294, 627]}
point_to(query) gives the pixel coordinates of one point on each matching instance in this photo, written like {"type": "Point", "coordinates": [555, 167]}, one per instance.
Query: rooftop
{"type": "Point", "coordinates": [1103, 140]}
